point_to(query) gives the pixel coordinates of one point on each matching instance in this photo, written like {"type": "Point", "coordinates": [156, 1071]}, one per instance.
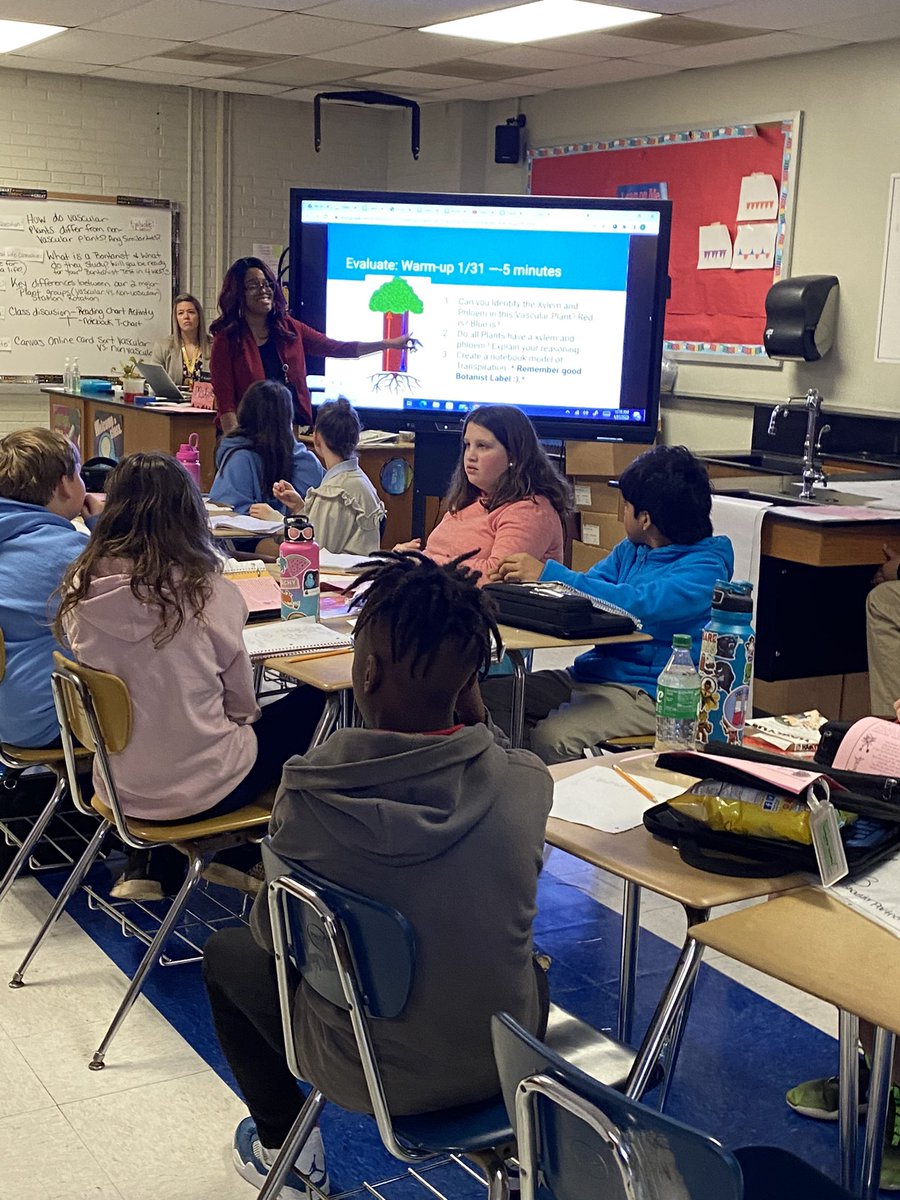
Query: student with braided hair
{"type": "Point", "coordinates": [426, 810]}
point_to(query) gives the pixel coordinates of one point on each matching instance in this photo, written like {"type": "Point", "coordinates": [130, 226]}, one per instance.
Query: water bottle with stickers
{"type": "Point", "coordinates": [298, 562]}
{"type": "Point", "coordinates": [726, 663]}
{"type": "Point", "coordinates": [678, 699]}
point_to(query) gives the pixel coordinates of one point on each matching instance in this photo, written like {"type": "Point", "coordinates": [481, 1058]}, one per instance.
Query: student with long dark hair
{"type": "Point", "coordinates": [147, 601]}
{"type": "Point", "coordinates": [505, 497]}
{"type": "Point", "coordinates": [256, 338]}
{"type": "Point", "coordinates": [261, 452]}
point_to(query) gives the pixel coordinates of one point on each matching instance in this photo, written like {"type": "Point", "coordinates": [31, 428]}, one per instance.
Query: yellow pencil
{"type": "Point", "coordinates": [634, 783]}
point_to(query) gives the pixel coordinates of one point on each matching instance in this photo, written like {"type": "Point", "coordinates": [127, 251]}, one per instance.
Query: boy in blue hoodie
{"type": "Point", "coordinates": [662, 573]}
{"type": "Point", "coordinates": [41, 490]}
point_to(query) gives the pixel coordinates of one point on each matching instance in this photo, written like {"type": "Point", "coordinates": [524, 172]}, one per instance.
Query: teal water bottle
{"type": "Point", "coordinates": [726, 664]}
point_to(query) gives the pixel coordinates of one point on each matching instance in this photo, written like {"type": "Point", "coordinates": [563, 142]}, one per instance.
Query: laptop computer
{"type": "Point", "coordinates": [161, 382]}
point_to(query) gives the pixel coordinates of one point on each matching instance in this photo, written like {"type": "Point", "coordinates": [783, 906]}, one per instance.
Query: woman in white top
{"type": "Point", "coordinates": [344, 509]}
{"type": "Point", "coordinates": [185, 355]}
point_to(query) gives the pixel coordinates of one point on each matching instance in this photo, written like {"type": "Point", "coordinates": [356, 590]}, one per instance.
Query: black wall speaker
{"type": "Point", "coordinates": [507, 143]}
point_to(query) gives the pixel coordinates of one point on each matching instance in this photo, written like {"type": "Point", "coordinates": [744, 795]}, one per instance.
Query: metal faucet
{"type": "Point", "coordinates": [812, 446]}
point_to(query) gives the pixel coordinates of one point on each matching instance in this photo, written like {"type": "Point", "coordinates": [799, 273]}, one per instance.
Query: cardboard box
{"type": "Point", "coordinates": [593, 494]}
{"type": "Point", "coordinates": [823, 692]}
{"type": "Point", "coordinates": [600, 458]}
{"type": "Point", "coordinates": [601, 529]}
{"type": "Point", "coordinates": [584, 557]}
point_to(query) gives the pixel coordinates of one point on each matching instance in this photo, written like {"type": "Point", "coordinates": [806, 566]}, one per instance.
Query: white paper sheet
{"type": "Point", "coordinates": [754, 247]}
{"type": "Point", "coordinates": [244, 524]}
{"type": "Point", "coordinates": [871, 746]}
{"type": "Point", "coordinates": [875, 895]}
{"type": "Point", "coordinates": [601, 799]}
{"type": "Point", "coordinates": [341, 563]}
{"type": "Point", "coordinates": [713, 248]}
{"type": "Point", "coordinates": [758, 199]}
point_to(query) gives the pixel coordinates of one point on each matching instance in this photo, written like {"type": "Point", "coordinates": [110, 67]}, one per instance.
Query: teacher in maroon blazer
{"type": "Point", "coordinates": [256, 338]}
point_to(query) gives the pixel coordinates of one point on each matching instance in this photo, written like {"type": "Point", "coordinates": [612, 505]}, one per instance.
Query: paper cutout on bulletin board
{"type": "Point", "coordinates": [713, 247]}
{"type": "Point", "coordinates": [642, 191]}
{"type": "Point", "coordinates": [758, 199]}
{"type": "Point", "coordinates": [754, 247]}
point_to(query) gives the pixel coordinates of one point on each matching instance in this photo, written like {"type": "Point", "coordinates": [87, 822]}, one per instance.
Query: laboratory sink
{"type": "Point", "coordinates": [784, 492]}
{"type": "Point", "coordinates": [765, 463]}
{"type": "Point", "coordinates": [769, 497]}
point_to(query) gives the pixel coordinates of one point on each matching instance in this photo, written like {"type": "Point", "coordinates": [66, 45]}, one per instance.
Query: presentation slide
{"type": "Point", "coordinates": [531, 317]}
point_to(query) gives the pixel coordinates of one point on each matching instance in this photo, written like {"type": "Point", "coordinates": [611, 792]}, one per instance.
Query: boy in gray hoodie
{"type": "Point", "coordinates": [425, 810]}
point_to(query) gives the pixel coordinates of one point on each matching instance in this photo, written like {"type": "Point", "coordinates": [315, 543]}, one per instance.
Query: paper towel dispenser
{"type": "Point", "coordinates": [800, 317]}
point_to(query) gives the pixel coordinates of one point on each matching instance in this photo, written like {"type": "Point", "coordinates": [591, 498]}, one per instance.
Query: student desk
{"type": "Point", "coordinates": [332, 675]}
{"type": "Point", "coordinates": [642, 861]}
{"type": "Point", "coordinates": [815, 943]}
{"type": "Point", "coordinates": [100, 425]}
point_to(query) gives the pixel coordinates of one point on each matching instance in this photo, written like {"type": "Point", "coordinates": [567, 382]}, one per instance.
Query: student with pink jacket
{"type": "Point", "coordinates": [147, 601]}
{"type": "Point", "coordinates": [505, 497]}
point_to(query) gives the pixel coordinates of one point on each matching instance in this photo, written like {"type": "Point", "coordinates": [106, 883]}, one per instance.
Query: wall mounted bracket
{"type": "Point", "coordinates": [386, 98]}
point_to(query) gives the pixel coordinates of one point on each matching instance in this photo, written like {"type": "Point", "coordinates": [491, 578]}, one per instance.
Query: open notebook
{"type": "Point", "coordinates": [257, 585]}
{"type": "Point", "coordinates": [294, 639]}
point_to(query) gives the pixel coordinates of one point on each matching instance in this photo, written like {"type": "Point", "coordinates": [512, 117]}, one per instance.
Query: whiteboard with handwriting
{"type": "Point", "coordinates": [81, 278]}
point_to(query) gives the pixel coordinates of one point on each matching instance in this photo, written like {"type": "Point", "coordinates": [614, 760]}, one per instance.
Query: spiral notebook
{"type": "Point", "coordinates": [257, 585]}
{"type": "Point", "coordinates": [301, 638]}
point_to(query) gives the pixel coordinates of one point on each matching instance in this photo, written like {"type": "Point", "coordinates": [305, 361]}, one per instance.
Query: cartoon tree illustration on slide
{"type": "Point", "coordinates": [396, 299]}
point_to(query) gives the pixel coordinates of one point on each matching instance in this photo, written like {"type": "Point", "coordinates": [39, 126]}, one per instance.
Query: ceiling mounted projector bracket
{"type": "Point", "coordinates": [386, 98]}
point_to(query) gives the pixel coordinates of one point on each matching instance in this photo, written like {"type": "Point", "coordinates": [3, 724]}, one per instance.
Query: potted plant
{"type": "Point", "coordinates": [132, 380]}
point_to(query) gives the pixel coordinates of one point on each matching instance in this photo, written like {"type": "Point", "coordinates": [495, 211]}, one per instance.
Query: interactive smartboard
{"type": "Point", "coordinates": [85, 277]}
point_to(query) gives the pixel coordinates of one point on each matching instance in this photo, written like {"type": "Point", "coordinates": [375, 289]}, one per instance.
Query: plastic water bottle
{"type": "Point", "coordinates": [726, 663]}
{"type": "Point", "coordinates": [76, 376]}
{"type": "Point", "coordinates": [67, 376]}
{"type": "Point", "coordinates": [298, 561]}
{"type": "Point", "coordinates": [189, 457]}
{"type": "Point", "coordinates": [678, 699]}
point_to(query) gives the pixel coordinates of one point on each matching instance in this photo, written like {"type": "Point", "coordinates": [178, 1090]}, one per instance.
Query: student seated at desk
{"type": "Point", "coordinates": [261, 451]}
{"type": "Point", "coordinates": [505, 495]}
{"type": "Point", "coordinates": [662, 573]}
{"type": "Point", "coordinates": [41, 490]}
{"type": "Point", "coordinates": [344, 509]}
{"type": "Point", "coordinates": [424, 804]}
{"type": "Point", "coordinates": [147, 601]}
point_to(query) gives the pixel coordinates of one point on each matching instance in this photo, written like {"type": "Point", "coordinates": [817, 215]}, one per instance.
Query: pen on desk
{"type": "Point", "coordinates": [634, 783]}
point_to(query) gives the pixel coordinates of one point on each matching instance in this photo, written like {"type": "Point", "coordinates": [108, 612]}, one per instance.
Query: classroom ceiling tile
{"type": "Point", "coordinates": [245, 87]}
{"type": "Point", "coordinates": [133, 75]}
{"type": "Point", "coordinates": [293, 32]}
{"type": "Point", "coordinates": [54, 66]}
{"type": "Point", "coordinates": [408, 13]}
{"type": "Point", "coordinates": [305, 95]}
{"type": "Point", "coordinates": [104, 49]}
{"type": "Point", "coordinates": [406, 48]}
{"type": "Point", "coordinates": [767, 45]}
{"type": "Point", "coordinates": [612, 70]}
{"type": "Point", "coordinates": [874, 28]}
{"type": "Point", "coordinates": [195, 20]}
{"type": "Point", "coordinates": [298, 72]}
{"type": "Point", "coordinates": [797, 14]}
{"type": "Point", "coordinates": [273, 5]}
{"type": "Point", "coordinates": [388, 81]}
{"type": "Point", "coordinates": [184, 68]}
{"type": "Point", "coordinates": [604, 45]}
{"type": "Point", "coordinates": [669, 7]}
{"type": "Point", "coordinates": [534, 58]}
{"type": "Point", "coordinates": [61, 12]}
{"type": "Point", "coordinates": [487, 91]}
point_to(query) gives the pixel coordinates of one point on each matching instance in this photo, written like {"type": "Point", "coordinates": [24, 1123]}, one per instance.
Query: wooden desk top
{"type": "Point", "coordinates": [333, 674]}
{"type": "Point", "coordinates": [854, 544]}
{"type": "Point", "coordinates": [637, 856]}
{"type": "Point", "coordinates": [815, 943]}
{"type": "Point", "coordinates": [107, 398]}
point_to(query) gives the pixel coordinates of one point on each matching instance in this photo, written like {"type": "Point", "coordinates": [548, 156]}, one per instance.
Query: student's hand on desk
{"type": "Point", "coordinates": [518, 568]}
{"type": "Point", "coordinates": [286, 494]}
{"type": "Point", "coordinates": [889, 571]}
{"type": "Point", "coordinates": [264, 512]}
{"type": "Point", "coordinates": [470, 708]}
{"type": "Point", "coordinates": [404, 547]}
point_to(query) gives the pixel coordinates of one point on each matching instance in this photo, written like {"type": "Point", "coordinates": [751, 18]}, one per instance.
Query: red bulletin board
{"type": "Point", "coordinates": [718, 313]}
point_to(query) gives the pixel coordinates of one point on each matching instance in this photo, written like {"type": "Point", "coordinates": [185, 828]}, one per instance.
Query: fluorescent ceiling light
{"type": "Point", "coordinates": [540, 20]}
{"type": "Point", "coordinates": [16, 34]}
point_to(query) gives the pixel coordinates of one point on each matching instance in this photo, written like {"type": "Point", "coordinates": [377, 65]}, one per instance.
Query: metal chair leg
{"type": "Point", "coordinates": [81, 868]}
{"type": "Point", "coordinates": [495, 1173]}
{"type": "Point", "coordinates": [34, 836]}
{"type": "Point", "coordinates": [879, 1089]}
{"type": "Point", "coordinates": [667, 1010]}
{"type": "Point", "coordinates": [306, 1121]}
{"type": "Point", "coordinates": [196, 866]}
{"type": "Point", "coordinates": [517, 715]}
{"type": "Point", "coordinates": [848, 1104]}
{"type": "Point", "coordinates": [329, 720]}
{"type": "Point", "coordinates": [631, 928]}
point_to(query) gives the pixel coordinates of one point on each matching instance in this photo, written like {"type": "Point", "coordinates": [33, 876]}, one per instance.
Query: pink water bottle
{"type": "Point", "coordinates": [189, 457]}
{"type": "Point", "coordinates": [298, 561]}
